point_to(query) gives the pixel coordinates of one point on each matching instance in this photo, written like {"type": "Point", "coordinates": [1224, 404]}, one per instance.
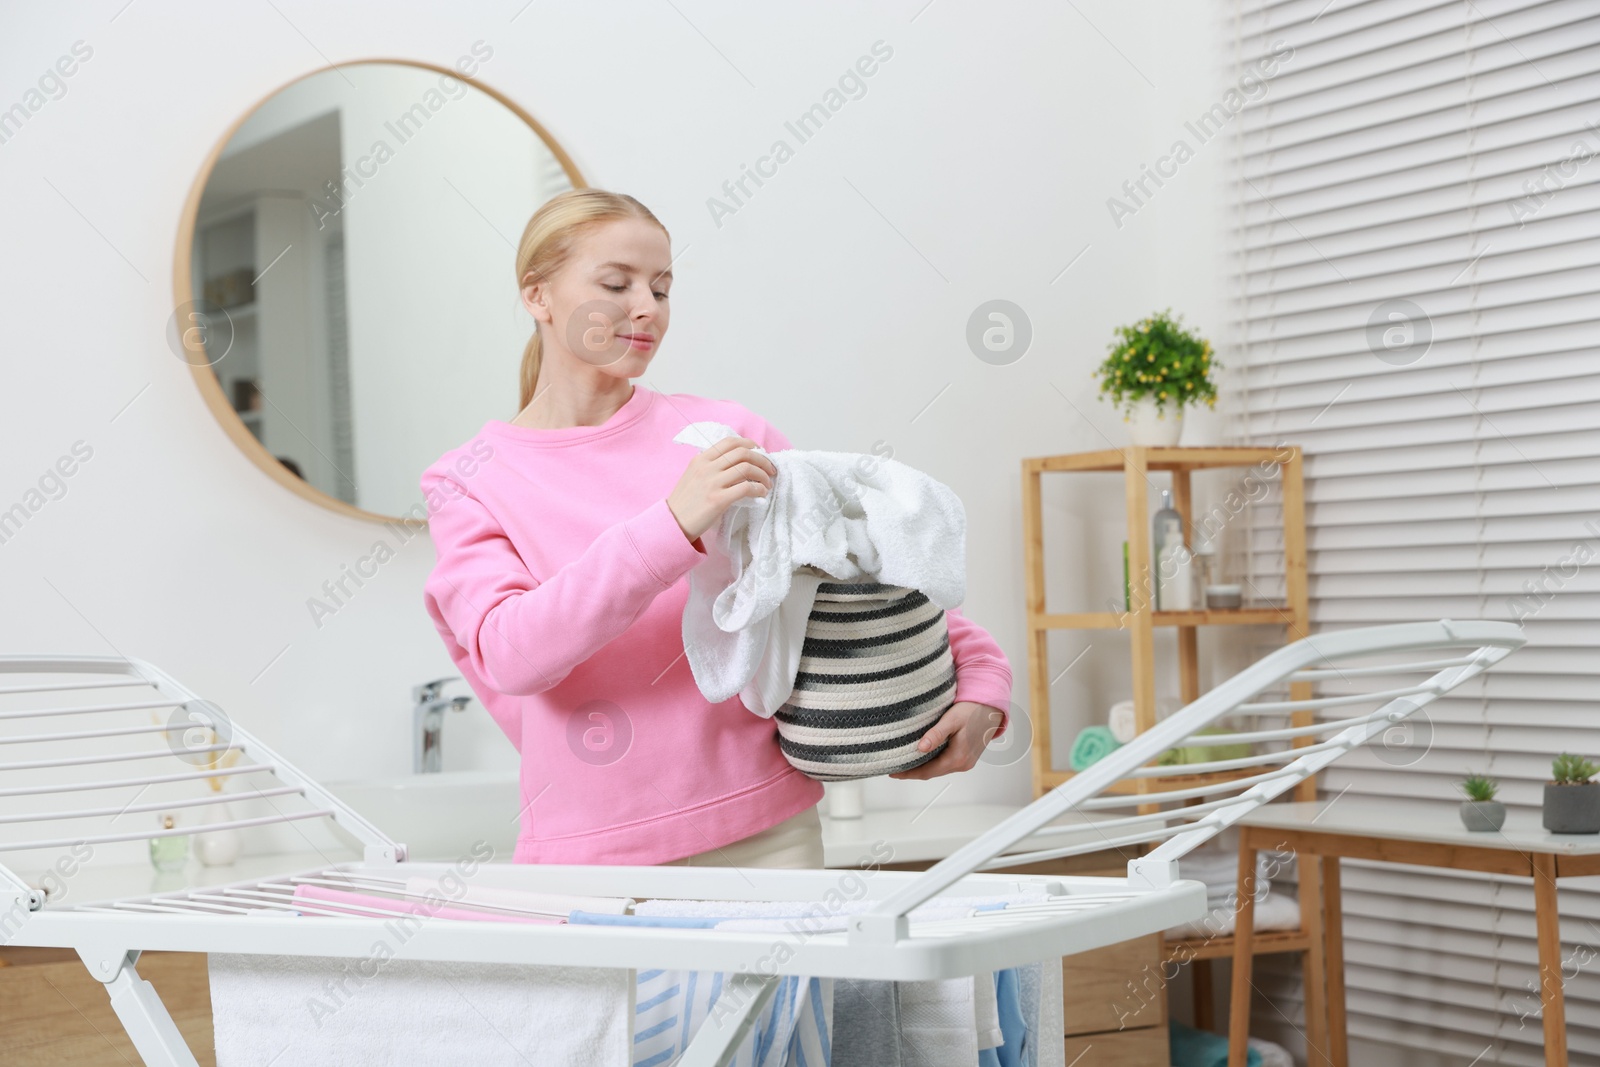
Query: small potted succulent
{"type": "Point", "coordinates": [1154, 368]}
{"type": "Point", "coordinates": [1481, 811]}
{"type": "Point", "coordinates": [1571, 799]}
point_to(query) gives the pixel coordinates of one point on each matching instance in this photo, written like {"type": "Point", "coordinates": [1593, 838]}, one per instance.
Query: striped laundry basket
{"type": "Point", "coordinates": [875, 673]}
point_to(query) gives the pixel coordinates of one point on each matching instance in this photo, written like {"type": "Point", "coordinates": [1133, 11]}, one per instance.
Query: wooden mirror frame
{"type": "Point", "coordinates": [200, 366]}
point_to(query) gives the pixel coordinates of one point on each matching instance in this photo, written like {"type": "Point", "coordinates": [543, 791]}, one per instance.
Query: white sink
{"type": "Point", "coordinates": [441, 817]}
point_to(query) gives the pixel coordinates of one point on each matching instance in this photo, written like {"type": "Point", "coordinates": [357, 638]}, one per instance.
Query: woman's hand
{"type": "Point", "coordinates": [728, 471]}
{"type": "Point", "coordinates": [970, 727]}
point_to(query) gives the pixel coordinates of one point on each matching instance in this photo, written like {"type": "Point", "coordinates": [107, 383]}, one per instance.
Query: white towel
{"type": "Point", "coordinates": [1124, 727]}
{"type": "Point", "coordinates": [986, 1010]}
{"type": "Point", "coordinates": [851, 515]}
{"type": "Point", "coordinates": [321, 1010]}
{"type": "Point", "coordinates": [938, 1022]}
{"type": "Point", "coordinates": [1276, 911]}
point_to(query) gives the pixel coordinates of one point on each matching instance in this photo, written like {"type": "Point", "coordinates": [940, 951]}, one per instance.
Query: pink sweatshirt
{"type": "Point", "coordinates": [559, 591]}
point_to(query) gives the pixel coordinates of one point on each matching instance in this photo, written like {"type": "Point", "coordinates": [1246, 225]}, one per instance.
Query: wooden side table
{"type": "Point", "coordinates": [1417, 833]}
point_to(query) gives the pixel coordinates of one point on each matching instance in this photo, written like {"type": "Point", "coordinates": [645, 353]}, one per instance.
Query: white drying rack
{"type": "Point", "coordinates": [1377, 669]}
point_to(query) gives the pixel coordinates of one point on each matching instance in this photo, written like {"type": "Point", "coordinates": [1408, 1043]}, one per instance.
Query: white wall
{"type": "Point", "coordinates": [834, 302]}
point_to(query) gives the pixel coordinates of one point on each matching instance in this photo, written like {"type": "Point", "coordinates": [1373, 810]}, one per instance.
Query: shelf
{"type": "Point", "coordinates": [1157, 459]}
{"type": "Point", "coordinates": [1264, 943]}
{"type": "Point", "coordinates": [1115, 620]}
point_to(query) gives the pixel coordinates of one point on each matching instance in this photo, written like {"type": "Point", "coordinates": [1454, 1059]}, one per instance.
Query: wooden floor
{"type": "Point", "coordinates": [53, 1013]}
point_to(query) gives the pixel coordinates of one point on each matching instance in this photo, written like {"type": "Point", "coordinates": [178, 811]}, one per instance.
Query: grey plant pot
{"type": "Point", "coordinates": [1572, 809]}
{"type": "Point", "coordinates": [1483, 815]}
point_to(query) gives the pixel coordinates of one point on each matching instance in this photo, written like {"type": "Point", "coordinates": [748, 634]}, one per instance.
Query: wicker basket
{"type": "Point", "coordinates": [875, 673]}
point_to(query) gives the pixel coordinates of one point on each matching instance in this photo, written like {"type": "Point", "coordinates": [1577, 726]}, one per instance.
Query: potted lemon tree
{"type": "Point", "coordinates": [1153, 370]}
{"type": "Point", "coordinates": [1571, 798]}
{"type": "Point", "coordinates": [1481, 811]}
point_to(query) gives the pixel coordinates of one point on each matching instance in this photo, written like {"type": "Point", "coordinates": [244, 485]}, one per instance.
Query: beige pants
{"type": "Point", "coordinates": [794, 842]}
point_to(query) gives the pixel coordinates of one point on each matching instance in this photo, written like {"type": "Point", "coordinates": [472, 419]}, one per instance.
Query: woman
{"type": "Point", "coordinates": [564, 540]}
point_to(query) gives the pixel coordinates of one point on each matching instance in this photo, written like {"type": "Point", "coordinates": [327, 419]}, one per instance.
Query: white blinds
{"type": "Point", "coordinates": [1418, 224]}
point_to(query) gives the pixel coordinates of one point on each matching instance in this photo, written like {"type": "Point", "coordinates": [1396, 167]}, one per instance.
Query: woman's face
{"type": "Point", "coordinates": [607, 305]}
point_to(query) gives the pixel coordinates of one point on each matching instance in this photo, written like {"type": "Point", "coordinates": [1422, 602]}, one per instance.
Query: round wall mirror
{"type": "Point", "coordinates": [346, 295]}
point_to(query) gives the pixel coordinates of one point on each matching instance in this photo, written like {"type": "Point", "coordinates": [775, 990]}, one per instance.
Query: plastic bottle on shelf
{"type": "Point", "coordinates": [1174, 578]}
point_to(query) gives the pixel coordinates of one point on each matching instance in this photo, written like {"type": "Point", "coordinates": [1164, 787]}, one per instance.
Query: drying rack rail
{"type": "Point", "coordinates": [1378, 676]}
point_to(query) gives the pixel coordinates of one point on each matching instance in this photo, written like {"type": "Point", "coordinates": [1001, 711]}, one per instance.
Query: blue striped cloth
{"type": "Point", "coordinates": [794, 1029]}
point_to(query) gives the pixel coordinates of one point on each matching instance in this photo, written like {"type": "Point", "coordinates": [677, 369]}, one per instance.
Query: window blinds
{"type": "Point", "coordinates": [1417, 215]}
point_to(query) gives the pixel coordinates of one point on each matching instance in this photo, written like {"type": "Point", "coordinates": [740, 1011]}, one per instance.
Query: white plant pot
{"type": "Point", "coordinates": [1150, 428]}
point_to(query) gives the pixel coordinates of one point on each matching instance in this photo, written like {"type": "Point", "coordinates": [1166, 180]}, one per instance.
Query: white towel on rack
{"type": "Point", "coordinates": [312, 1011]}
{"type": "Point", "coordinates": [986, 1010]}
{"type": "Point", "coordinates": [938, 1021]}
{"type": "Point", "coordinates": [849, 514]}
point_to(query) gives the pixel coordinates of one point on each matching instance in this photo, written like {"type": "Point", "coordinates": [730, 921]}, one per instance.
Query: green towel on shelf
{"type": "Point", "coordinates": [1093, 743]}
{"type": "Point", "coordinates": [1203, 753]}
{"type": "Point", "coordinates": [1201, 1048]}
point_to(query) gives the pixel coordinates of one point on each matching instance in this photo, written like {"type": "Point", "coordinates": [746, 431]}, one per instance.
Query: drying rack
{"type": "Point", "coordinates": [1374, 673]}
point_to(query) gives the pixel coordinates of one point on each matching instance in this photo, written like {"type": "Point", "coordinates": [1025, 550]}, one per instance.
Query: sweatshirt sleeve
{"type": "Point", "coordinates": [983, 674]}
{"type": "Point", "coordinates": [522, 635]}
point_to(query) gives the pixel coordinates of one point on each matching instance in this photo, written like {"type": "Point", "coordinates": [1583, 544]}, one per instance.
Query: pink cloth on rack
{"type": "Point", "coordinates": [559, 592]}
{"type": "Point", "coordinates": [333, 898]}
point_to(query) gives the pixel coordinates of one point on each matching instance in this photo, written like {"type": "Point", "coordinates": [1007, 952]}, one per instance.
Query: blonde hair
{"type": "Point", "coordinates": [548, 241]}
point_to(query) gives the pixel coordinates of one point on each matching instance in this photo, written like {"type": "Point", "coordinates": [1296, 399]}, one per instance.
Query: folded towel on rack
{"type": "Point", "coordinates": [343, 902]}
{"type": "Point", "coordinates": [378, 1010]}
{"type": "Point", "coordinates": [851, 515]}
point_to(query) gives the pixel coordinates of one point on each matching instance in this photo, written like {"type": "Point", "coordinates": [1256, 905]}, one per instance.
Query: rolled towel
{"type": "Point", "coordinates": [1121, 721]}
{"type": "Point", "coordinates": [1201, 1048]}
{"type": "Point", "coordinates": [1093, 743]}
{"type": "Point", "coordinates": [1204, 753]}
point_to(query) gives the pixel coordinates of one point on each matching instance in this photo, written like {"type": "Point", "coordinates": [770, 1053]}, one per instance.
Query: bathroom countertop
{"type": "Point", "coordinates": [895, 835]}
{"type": "Point", "coordinates": [91, 883]}
{"type": "Point", "coordinates": [931, 832]}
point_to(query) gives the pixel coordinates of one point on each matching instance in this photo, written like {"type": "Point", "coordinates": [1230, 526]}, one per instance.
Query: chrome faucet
{"type": "Point", "coordinates": [427, 722]}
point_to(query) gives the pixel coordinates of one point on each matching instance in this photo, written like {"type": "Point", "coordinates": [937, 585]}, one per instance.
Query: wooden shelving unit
{"type": "Point", "coordinates": [1141, 621]}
